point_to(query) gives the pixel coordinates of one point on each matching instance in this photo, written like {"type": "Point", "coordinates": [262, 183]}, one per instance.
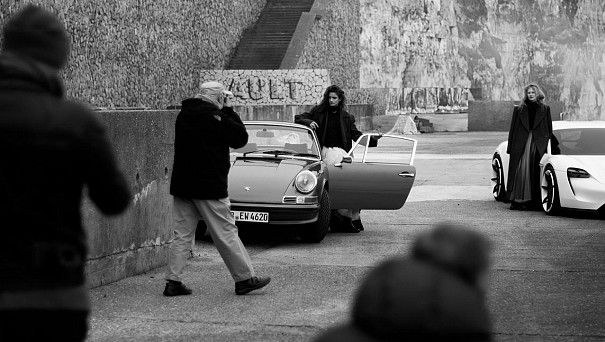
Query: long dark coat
{"type": "Point", "coordinates": [203, 135]}
{"type": "Point", "coordinates": [519, 131]}
{"type": "Point", "coordinates": [51, 148]}
{"type": "Point", "coordinates": [349, 131]}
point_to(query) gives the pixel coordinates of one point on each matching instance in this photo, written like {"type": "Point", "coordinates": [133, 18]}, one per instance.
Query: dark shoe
{"type": "Point", "coordinates": [348, 227]}
{"type": "Point", "coordinates": [176, 288]}
{"type": "Point", "coordinates": [254, 283]}
{"type": "Point", "coordinates": [357, 224]}
{"type": "Point", "coordinates": [517, 206]}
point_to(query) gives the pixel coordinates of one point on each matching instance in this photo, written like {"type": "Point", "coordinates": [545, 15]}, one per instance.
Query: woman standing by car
{"type": "Point", "coordinates": [336, 131]}
{"type": "Point", "coordinates": [530, 129]}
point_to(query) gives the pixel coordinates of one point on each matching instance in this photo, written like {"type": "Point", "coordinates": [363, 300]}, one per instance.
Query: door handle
{"type": "Point", "coordinates": [407, 174]}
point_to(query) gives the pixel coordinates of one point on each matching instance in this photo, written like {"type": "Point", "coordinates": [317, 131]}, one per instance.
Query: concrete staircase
{"type": "Point", "coordinates": [263, 47]}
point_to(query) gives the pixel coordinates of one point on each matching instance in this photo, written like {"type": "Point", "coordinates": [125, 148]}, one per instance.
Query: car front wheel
{"type": "Point", "coordinates": [550, 192]}
{"type": "Point", "coordinates": [498, 188]}
{"type": "Point", "coordinates": [318, 230]}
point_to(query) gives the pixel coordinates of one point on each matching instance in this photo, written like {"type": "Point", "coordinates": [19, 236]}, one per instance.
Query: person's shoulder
{"type": "Point", "coordinates": [79, 118]}
{"type": "Point", "coordinates": [81, 112]}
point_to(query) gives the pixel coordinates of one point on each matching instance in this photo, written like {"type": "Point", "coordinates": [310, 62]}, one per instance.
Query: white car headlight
{"type": "Point", "coordinates": [305, 182]}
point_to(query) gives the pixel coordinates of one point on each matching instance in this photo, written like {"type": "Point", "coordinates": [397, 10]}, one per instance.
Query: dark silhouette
{"type": "Point", "coordinates": [51, 149]}
{"type": "Point", "coordinates": [436, 293]}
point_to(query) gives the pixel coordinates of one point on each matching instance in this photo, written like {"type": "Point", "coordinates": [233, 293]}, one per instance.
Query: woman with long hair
{"type": "Point", "coordinates": [336, 131]}
{"type": "Point", "coordinates": [530, 129]}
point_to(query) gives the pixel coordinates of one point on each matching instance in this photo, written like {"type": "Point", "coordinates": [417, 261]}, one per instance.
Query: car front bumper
{"type": "Point", "coordinates": [286, 214]}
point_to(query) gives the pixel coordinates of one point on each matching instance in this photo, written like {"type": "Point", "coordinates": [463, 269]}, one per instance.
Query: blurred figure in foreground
{"type": "Point", "coordinates": [436, 293]}
{"type": "Point", "coordinates": [51, 149]}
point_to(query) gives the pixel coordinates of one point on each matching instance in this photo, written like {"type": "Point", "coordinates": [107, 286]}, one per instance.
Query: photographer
{"type": "Point", "coordinates": [206, 128]}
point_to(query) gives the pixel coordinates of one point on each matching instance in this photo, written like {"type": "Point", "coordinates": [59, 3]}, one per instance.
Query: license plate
{"type": "Point", "coordinates": [250, 216]}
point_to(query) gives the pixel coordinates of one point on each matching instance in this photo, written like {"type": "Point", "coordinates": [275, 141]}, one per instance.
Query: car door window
{"type": "Point", "coordinates": [391, 149]}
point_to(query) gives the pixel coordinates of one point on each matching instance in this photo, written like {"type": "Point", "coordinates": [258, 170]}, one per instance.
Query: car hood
{"type": "Point", "coordinates": [265, 180]}
{"type": "Point", "coordinates": [595, 165]}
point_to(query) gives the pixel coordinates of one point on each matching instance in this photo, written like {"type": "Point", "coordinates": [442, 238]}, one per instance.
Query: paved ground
{"type": "Point", "coordinates": [548, 281]}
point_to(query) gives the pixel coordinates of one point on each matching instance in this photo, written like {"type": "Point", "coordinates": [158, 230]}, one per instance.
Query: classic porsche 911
{"type": "Point", "coordinates": [279, 177]}
{"type": "Point", "coordinates": [572, 171]}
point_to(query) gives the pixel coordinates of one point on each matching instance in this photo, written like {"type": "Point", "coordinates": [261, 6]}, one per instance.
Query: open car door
{"type": "Point", "coordinates": [378, 177]}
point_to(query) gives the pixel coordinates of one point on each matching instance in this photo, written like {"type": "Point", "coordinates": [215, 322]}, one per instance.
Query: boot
{"type": "Point", "coordinates": [347, 226]}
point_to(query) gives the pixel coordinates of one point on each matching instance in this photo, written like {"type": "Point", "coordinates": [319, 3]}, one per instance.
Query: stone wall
{"type": "Point", "coordinates": [133, 53]}
{"type": "Point", "coordinates": [264, 87]}
{"type": "Point", "coordinates": [496, 47]}
{"type": "Point", "coordinates": [333, 43]}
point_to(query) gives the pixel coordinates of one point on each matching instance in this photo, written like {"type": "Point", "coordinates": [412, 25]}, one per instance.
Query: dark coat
{"type": "Point", "coordinates": [403, 299]}
{"type": "Point", "coordinates": [51, 149]}
{"type": "Point", "coordinates": [519, 131]}
{"type": "Point", "coordinates": [203, 135]}
{"type": "Point", "coordinates": [349, 131]}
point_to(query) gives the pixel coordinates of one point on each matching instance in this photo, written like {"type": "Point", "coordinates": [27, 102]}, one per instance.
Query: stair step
{"type": "Point", "coordinates": [264, 46]}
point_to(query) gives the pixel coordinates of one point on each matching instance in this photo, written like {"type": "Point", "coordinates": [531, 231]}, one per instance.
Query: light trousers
{"type": "Point", "coordinates": [221, 226]}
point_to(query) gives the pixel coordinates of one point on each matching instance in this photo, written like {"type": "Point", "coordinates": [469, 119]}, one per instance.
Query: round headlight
{"type": "Point", "coordinates": [305, 182]}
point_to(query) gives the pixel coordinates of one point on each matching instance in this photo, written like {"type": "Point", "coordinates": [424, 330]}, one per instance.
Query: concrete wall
{"type": "Point", "coordinates": [138, 240]}
{"type": "Point", "coordinates": [496, 115]}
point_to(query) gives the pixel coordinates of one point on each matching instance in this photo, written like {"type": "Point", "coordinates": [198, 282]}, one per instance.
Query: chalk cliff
{"type": "Point", "coordinates": [493, 47]}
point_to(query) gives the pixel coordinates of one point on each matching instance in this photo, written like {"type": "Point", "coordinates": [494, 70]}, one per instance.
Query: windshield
{"type": "Point", "coordinates": [579, 141]}
{"type": "Point", "coordinates": [279, 140]}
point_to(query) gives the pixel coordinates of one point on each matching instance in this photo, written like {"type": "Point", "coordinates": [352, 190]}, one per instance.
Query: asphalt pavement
{"type": "Point", "coordinates": [547, 283]}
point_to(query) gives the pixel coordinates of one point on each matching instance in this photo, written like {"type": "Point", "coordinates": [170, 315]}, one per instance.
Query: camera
{"type": "Point", "coordinates": [227, 95]}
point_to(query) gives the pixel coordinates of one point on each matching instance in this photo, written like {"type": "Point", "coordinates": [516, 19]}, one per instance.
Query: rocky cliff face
{"type": "Point", "coordinates": [494, 47]}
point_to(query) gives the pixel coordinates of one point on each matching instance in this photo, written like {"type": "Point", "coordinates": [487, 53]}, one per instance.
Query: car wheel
{"type": "Point", "coordinates": [550, 192]}
{"type": "Point", "coordinates": [498, 187]}
{"type": "Point", "coordinates": [317, 231]}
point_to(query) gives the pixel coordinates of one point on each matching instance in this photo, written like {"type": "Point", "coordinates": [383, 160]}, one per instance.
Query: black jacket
{"type": "Point", "coordinates": [519, 131]}
{"type": "Point", "coordinates": [203, 135]}
{"type": "Point", "coordinates": [51, 149]}
{"type": "Point", "coordinates": [349, 131]}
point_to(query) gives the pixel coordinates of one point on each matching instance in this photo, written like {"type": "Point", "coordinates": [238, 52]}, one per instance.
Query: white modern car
{"type": "Point", "coordinates": [572, 171]}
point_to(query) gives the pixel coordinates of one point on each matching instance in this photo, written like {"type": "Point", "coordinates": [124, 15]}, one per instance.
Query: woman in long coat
{"type": "Point", "coordinates": [530, 129]}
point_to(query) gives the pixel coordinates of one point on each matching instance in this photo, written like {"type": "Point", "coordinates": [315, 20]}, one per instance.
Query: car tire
{"type": "Point", "coordinates": [550, 192]}
{"type": "Point", "coordinates": [498, 184]}
{"type": "Point", "coordinates": [318, 230]}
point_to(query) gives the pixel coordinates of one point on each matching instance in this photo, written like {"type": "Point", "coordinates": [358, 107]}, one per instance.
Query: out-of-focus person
{"type": "Point", "coordinates": [435, 293]}
{"type": "Point", "coordinates": [51, 149]}
{"type": "Point", "coordinates": [205, 129]}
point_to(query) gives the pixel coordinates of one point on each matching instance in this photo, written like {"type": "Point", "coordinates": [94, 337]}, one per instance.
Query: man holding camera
{"type": "Point", "coordinates": [206, 128]}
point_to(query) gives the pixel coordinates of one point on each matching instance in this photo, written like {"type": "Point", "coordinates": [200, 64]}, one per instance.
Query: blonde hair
{"type": "Point", "coordinates": [539, 93]}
